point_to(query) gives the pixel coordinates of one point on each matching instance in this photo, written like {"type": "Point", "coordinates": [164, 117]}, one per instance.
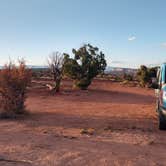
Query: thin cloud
{"type": "Point", "coordinates": [131, 38]}
{"type": "Point", "coordinates": [164, 44]}
{"type": "Point", "coordinates": [118, 62]}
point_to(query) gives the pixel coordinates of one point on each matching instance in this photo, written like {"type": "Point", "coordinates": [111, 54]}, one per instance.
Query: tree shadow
{"type": "Point", "coordinates": [105, 96]}
{"type": "Point", "coordinates": [94, 94]}
{"type": "Point", "coordinates": [47, 119]}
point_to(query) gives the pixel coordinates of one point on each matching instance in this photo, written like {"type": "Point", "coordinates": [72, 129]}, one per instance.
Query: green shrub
{"type": "Point", "coordinates": [118, 78]}
{"type": "Point", "coordinates": [145, 76]}
{"type": "Point", "coordinates": [128, 77]}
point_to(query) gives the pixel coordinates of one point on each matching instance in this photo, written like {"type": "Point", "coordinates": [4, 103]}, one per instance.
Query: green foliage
{"type": "Point", "coordinates": [128, 77]}
{"type": "Point", "coordinates": [153, 72]}
{"type": "Point", "coordinates": [145, 75]}
{"type": "Point", "coordinates": [118, 78]}
{"type": "Point", "coordinates": [87, 63]}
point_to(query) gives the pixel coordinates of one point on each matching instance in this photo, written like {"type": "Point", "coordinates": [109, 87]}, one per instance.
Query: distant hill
{"type": "Point", "coordinates": [109, 70]}
{"type": "Point", "coordinates": [120, 71]}
{"type": "Point", "coordinates": [33, 67]}
{"type": "Point", "coordinates": [37, 67]}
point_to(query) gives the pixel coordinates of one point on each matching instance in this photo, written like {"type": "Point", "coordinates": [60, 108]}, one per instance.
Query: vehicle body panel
{"type": "Point", "coordinates": [161, 96]}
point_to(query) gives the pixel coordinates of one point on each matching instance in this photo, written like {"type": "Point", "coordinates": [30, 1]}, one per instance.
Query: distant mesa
{"type": "Point", "coordinates": [109, 69]}
{"type": "Point", "coordinates": [120, 71]}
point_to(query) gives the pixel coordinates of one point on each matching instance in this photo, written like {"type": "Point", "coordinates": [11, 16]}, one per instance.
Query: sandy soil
{"type": "Point", "coordinates": [122, 121]}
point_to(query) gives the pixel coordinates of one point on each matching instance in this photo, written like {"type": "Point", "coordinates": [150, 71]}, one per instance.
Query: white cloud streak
{"type": "Point", "coordinates": [131, 38]}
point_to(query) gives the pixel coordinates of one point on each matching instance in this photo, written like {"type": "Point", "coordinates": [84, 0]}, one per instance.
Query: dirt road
{"type": "Point", "coordinates": [109, 124]}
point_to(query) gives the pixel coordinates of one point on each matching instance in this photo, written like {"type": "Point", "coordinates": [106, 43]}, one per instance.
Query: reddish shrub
{"type": "Point", "coordinates": [13, 84]}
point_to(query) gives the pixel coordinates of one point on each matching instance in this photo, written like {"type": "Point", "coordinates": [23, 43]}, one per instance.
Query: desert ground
{"type": "Point", "coordinates": [108, 124]}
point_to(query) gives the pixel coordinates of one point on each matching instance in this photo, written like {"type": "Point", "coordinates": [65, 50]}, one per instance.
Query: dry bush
{"type": "Point", "coordinates": [56, 64]}
{"type": "Point", "coordinates": [87, 131]}
{"type": "Point", "coordinates": [13, 83]}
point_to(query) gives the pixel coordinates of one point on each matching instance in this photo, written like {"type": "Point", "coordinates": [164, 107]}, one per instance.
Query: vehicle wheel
{"type": "Point", "coordinates": [162, 123]}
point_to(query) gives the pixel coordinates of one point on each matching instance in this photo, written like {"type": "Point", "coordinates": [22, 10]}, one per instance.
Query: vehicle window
{"type": "Point", "coordinates": [165, 75]}
{"type": "Point", "coordinates": [159, 77]}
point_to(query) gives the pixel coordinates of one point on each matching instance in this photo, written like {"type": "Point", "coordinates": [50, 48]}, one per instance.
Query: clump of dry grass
{"type": "Point", "coordinates": [108, 128]}
{"type": "Point", "coordinates": [88, 131]}
{"type": "Point", "coordinates": [13, 84]}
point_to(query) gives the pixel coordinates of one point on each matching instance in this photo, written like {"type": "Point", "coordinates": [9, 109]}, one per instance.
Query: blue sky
{"type": "Point", "coordinates": [130, 32]}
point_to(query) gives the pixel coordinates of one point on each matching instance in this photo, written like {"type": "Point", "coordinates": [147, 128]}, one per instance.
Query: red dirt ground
{"type": "Point", "coordinates": [122, 119]}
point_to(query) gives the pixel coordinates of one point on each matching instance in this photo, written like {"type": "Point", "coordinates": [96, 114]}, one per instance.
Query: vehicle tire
{"type": "Point", "coordinates": [162, 123]}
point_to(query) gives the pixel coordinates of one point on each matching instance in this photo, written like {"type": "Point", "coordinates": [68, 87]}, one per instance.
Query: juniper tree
{"type": "Point", "coordinates": [87, 63]}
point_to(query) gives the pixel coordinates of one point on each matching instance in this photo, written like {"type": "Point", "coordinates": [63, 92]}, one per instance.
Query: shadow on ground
{"type": "Point", "coordinates": [75, 121]}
